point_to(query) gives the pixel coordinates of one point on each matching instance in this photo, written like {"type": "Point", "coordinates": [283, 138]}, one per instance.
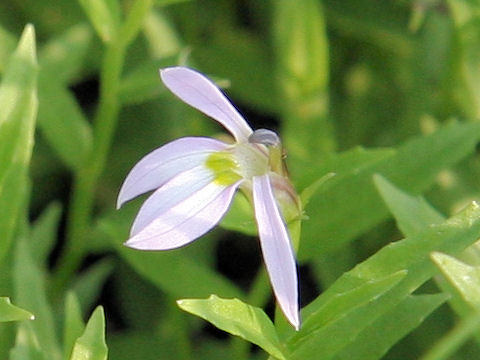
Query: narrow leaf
{"type": "Point", "coordinates": [237, 318]}
{"type": "Point", "coordinates": [62, 121]}
{"type": "Point", "coordinates": [9, 312]}
{"type": "Point", "coordinates": [352, 199]}
{"type": "Point", "coordinates": [380, 336]}
{"type": "Point", "coordinates": [30, 292]}
{"type": "Point", "coordinates": [73, 326]}
{"type": "Point", "coordinates": [464, 278]}
{"type": "Point", "coordinates": [411, 213]}
{"type": "Point", "coordinates": [91, 345]}
{"type": "Point", "coordinates": [411, 254]}
{"type": "Point", "coordinates": [18, 102]}
{"type": "Point", "coordinates": [44, 233]}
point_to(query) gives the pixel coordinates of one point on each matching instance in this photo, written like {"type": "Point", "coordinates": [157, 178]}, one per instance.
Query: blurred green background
{"type": "Point", "coordinates": [354, 87]}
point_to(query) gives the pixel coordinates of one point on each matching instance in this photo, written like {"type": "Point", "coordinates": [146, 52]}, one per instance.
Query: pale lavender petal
{"type": "Point", "coordinates": [199, 92]}
{"type": "Point", "coordinates": [277, 249]}
{"type": "Point", "coordinates": [159, 166]}
{"type": "Point", "coordinates": [186, 221]}
{"type": "Point", "coordinates": [180, 188]}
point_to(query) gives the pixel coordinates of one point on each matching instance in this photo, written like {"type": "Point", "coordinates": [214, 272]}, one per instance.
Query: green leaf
{"type": "Point", "coordinates": [9, 312]}
{"type": "Point", "coordinates": [411, 254]}
{"type": "Point", "coordinates": [341, 303]}
{"type": "Point", "coordinates": [91, 345]}
{"type": "Point", "coordinates": [332, 325]}
{"type": "Point", "coordinates": [104, 16]}
{"type": "Point", "coordinates": [18, 102]}
{"type": "Point", "coordinates": [374, 341]}
{"type": "Point", "coordinates": [349, 204]}
{"type": "Point", "coordinates": [237, 318]}
{"type": "Point", "coordinates": [411, 213]}
{"type": "Point", "coordinates": [63, 56]}
{"type": "Point", "coordinates": [73, 326]}
{"type": "Point", "coordinates": [43, 233]}
{"type": "Point", "coordinates": [464, 279]}
{"type": "Point", "coordinates": [62, 122]}
{"type": "Point", "coordinates": [26, 345]}
{"type": "Point", "coordinates": [29, 289]}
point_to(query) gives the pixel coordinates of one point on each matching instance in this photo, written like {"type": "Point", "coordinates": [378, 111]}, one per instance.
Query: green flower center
{"type": "Point", "coordinates": [224, 168]}
{"type": "Point", "coordinates": [242, 161]}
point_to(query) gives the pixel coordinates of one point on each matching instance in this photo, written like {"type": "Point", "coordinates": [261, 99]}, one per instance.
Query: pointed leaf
{"type": "Point", "coordinates": [464, 279]}
{"type": "Point", "coordinates": [62, 121]}
{"type": "Point", "coordinates": [411, 254]}
{"type": "Point", "coordinates": [352, 199]}
{"type": "Point", "coordinates": [9, 312]}
{"type": "Point", "coordinates": [237, 318]}
{"type": "Point", "coordinates": [411, 213]}
{"type": "Point", "coordinates": [91, 345]}
{"type": "Point", "coordinates": [26, 345]}
{"type": "Point", "coordinates": [30, 292]}
{"type": "Point", "coordinates": [18, 102]}
{"type": "Point", "coordinates": [379, 337]}
{"type": "Point", "coordinates": [44, 233]}
{"type": "Point", "coordinates": [73, 325]}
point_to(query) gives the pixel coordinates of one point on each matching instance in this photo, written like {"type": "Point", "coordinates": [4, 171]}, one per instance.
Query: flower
{"type": "Point", "coordinates": [195, 179]}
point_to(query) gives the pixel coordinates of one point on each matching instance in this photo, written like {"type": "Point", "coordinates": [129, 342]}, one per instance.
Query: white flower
{"type": "Point", "coordinates": [195, 179]}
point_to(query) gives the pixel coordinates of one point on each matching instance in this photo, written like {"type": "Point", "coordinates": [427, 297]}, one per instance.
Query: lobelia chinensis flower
{"type": "Point", "coordinates": [195, 179]}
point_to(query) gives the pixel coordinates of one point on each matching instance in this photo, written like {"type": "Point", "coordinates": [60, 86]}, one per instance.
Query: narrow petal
{"type": "Point", "coordinates": [199, 92]}
{"type": "Point", "coordinates": [162, 164]}
{"type": "Point", "coordinates": [180, 188]}
{"type": "Point", "coordinates": [186, 221]}
{"type": "Point", "coordinates": [277, 249]}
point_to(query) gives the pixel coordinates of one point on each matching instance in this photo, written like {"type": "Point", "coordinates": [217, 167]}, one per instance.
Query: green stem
{"type": "Point", "coordinates": [82, 201]}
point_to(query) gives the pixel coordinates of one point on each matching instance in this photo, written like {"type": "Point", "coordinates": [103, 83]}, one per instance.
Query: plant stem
{"type": "Point", "coordinates": [83, 195]}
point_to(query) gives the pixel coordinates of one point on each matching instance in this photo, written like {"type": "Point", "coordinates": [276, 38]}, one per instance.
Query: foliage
{"type": "Point", "coordinates": [377, 103]}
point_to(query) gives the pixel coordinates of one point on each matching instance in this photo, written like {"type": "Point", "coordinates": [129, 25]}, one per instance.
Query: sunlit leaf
{"type": "Point", "coordinates": [18, 104]}
{"type": "Point", "coordinates": [10, 312]}
{"type": "Point", "coordinates": [73, 325]}
{"type": "Point", "coordinates": [237, 318]}
{"type": "Point", "coordinates": [91, 345]}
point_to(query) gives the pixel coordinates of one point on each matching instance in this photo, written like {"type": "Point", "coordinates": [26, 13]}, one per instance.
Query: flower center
{"type": "Point", "coordinates": [241, 161]}
{"type": "Point", "coordinates": [224, 168]}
